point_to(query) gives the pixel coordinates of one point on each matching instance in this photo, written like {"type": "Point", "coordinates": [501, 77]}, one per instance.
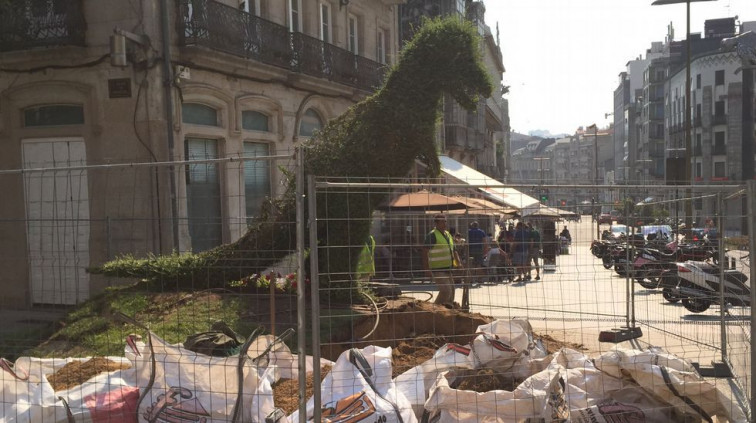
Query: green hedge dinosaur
{"type": "Point", "coordinates": [379, 137]}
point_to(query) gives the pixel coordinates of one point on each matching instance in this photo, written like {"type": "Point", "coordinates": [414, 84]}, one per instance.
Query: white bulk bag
{"type": "Point", "coordinates": [672, 379]}
{"type": "Point", "coordinates": [178, 383]}
{"type": "Point", "coordinates": [359, 388]}
{"type": "Point", "coordinates": [538, 397]}
{"type": "Point", "coordinates": [27, 394]}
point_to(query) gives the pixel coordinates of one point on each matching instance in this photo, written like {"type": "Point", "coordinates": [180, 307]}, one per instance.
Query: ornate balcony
{"type": "Point", "coordinates": [26, 24]}
{"type": "Point", "coordinates": [220, 27]}
{"type": "Point", "coordinates": [720, 119]}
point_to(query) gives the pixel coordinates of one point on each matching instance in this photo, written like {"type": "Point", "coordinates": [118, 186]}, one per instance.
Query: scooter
{"type": "Point", "coordinates": [698, 286]}
{"type": "Point", "coordinates": [649, 265]}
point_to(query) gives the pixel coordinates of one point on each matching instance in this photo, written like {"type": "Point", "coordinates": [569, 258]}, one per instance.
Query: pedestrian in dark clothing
{"type": "Point", "coordinates": [520, 251]}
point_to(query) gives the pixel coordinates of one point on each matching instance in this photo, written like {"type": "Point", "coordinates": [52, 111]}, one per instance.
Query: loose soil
{"type": "Point", "coordinates": [286, 391]}
{"type": "Point", "coordinates": [484, 380]}
{"type": "Point", "coordinates": [77, 372]}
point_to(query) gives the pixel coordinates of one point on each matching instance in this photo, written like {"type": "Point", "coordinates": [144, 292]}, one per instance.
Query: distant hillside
{"type": "Point", "coordinates": [544, 133]}
{"type": "Point", "coordinates": [518, 140]}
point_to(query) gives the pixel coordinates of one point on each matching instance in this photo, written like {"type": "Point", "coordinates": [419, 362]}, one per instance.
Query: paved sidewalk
{"type": "Point", "coordinates": [12, 321]}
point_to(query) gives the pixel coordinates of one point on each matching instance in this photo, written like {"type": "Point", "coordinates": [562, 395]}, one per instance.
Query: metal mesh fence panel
{"type": "Point", "coordinates": [620, 282]}
{"type": "Point", "coordinates": [611, 274]}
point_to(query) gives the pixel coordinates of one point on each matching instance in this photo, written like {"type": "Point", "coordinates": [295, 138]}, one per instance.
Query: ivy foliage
{"type": "Point", "coordinates": [379, 137]}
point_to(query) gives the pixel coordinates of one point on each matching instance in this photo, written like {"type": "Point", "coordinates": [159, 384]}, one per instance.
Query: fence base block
{"type": "Point", "coordinates": [617, 335]}
{"type": "Point", "coordinates": [717, 369]}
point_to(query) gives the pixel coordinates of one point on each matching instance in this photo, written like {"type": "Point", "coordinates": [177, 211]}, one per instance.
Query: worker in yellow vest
{"type": "Point", "coordinates": [439, 260]}
{"type": "Point", "coordinates": [366, 261]}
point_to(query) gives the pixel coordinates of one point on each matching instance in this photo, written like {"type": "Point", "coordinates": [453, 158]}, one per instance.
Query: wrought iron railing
{"type": "Point", "coordinates": [26, 24]}
{"type": "Point", "coordinates": [214, 25]}
{"type": "Point", "coordinates": [718, 119]}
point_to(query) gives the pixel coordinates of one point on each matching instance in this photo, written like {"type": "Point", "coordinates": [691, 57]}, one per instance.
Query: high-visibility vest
{"type": "Point", "coordinates": [440, 255]}
{"type": "Point", "coordinates": [366, 261]}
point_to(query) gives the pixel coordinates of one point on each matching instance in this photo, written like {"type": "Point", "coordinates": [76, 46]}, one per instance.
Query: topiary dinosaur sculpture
{"type": "Point", "coordinates": [379, 137]}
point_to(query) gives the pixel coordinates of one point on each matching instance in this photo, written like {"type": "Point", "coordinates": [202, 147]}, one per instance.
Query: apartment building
{"type": "Point", "coordinates": [189, 80]}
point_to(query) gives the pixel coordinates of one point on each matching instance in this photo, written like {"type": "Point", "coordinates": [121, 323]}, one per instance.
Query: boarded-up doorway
{"type": "Point", "coordinates": [57, 216]}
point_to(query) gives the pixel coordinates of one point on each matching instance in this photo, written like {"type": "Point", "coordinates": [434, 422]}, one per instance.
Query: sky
{"type": "Point", "coordinates": [563, 57]}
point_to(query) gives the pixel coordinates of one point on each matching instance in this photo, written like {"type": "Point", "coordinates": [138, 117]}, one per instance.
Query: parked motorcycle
{"type": "Point", "coordinates": [600, 247]}
{"type": "Point", "coordinates": [622, 259]}
{"type": "Point", "coordinates": [698, 286]}
{"type": "Point", "coordinates": [649, 265]}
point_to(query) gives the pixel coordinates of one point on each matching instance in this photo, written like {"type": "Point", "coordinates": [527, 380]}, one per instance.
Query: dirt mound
{"type": "Point", "coordinates": [411, 353]}
{"type": "Point", "coordinates": [77, 372]}
{"type": "Point", "coordinates": [405, 321]}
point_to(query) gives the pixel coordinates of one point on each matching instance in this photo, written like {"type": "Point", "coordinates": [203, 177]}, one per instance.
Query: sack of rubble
{"type": "Point", "coordinates": [270, 350]}
{"type": "Point", "coordinates": [176, 383]}
{"type": "Point", "coordinates": [359, 388]}
{"type": "Point", "coordinates": [673, 380]}
{"type": "Point", "coordinates": [488, 395]}
{"type": "Point", "coordinates": [100, 389]}
{"type": "Point", "coordinates": [584, 384]}
{"type": "Point", "coordinates": [501, 343]}
{"type": "Point", "coordinates": [631, 404]}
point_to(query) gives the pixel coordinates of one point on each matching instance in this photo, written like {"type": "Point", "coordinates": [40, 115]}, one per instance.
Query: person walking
{"type": "Point", "coordinates": [519, 251]}
{"type": "Point", "coordinates": [439, 258]}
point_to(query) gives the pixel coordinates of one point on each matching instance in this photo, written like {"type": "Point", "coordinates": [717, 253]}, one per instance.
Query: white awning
{"type": "Point", "coordinates": [493, 189]}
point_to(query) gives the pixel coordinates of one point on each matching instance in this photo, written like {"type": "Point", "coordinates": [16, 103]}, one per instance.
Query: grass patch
{"type": "Point", "coordinates": [93, 329]}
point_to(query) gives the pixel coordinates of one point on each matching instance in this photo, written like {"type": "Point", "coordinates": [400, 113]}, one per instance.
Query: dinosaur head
{"type": "Point", "coordinates": [447, 53]}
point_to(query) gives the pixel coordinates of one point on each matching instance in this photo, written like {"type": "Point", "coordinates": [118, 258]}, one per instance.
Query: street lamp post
{"type": "Point", "coordinates": [595, 174]}
{"type": "Point", "coordinates": [688, 140]}
{"type": "Point", "coordinates": [540, 161]}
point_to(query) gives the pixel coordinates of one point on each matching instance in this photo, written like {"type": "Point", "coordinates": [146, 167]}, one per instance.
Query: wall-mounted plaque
{"type": "Point", "coordinates": [119, 88]}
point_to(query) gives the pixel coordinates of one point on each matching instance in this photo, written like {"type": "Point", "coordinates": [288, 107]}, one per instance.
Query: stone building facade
{"type": "Point", "coordinates": [204, 80]}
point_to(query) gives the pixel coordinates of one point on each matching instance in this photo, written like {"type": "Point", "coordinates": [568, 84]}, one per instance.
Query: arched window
{"type": "Point", "coordinates": [256, 177]}
{"type": "Point", "coordinates": [53, 115]}
{"type": "Point", "coordinates": [199, 114]}
{"type": "Point", "coordinates": [254, 121]}
{"type": "Point", "coordinates": [310, 123]}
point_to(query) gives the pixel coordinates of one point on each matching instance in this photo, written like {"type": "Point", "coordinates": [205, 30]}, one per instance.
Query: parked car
{"type": "Point", "coordinates": [618, 231]}
{"type": "Point", "coordinates": [605, 218]}
{"type": "Point", "coordinates": [656, 231]}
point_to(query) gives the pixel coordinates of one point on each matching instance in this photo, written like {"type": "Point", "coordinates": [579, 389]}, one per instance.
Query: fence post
{"type": "Point", "coordinates": [314, 297]}
{"type": "Point", "coordinates": [722, 265]}
{"type": "Point", "coordinates": [301, 309]}
{"type": "Point", "coordinates": [751, 198]}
